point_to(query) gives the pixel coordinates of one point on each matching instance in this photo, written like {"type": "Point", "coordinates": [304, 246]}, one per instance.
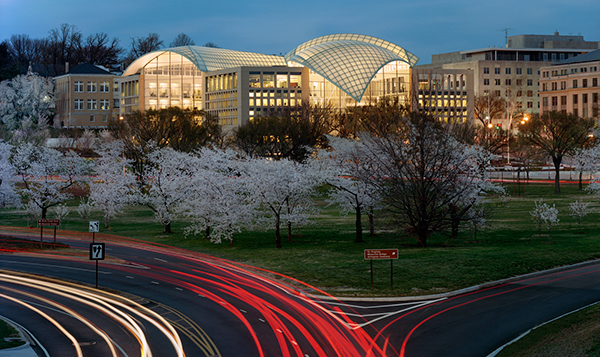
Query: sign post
{"type": "Point", "coordinates": [97, 252]}
{"type": "Point", "coordinates": [47, 223]}
{"type": "Point", "coordinates": [379, 254]}
{"type": "Point", "coordinates": [94, 228]}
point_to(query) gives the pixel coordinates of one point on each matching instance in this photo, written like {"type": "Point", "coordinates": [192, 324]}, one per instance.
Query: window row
{"type": "Point", "coordinates": [507, 70]}
{"type": "Point", "coordinates": [275, 93]}
{"type": "Point", "coordinates": [275, 80]}
{"type": "Point", "coordinates": [507, 82]}
{"type": "Point", "coordinates": [92, 104]}
{"type": "Point", "coordinates": [564, 72]}
{"type": "Point", "coordinates": [274, 102]}
{"type": "Point", "coordinates": [575, 84]}
{"type": "Point", "coordinates": [92, 87]}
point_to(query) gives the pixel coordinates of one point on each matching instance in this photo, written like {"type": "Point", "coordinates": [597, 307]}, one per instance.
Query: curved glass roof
{"type": "Point", "coordinates": [208, 59]}
{"type": "Point", "coordinates": [349, 61]}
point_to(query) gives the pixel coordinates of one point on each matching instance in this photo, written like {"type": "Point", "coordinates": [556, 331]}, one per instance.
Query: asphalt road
{"type": "Point", "coordinates": [221, 309]}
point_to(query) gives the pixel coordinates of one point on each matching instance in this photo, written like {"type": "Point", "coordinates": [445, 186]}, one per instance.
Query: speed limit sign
{"type": "Point", "coordinates": [94, 226]}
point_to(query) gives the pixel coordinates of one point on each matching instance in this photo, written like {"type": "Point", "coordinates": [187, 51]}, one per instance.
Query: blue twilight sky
{"type": "Point", "coordinates": [423, 27]}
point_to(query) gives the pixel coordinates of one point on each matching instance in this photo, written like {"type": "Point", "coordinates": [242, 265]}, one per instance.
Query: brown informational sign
{"type": "Point", "coordinates": [48, 222]}
{"type": "Point", "coordinates": [375, 254]}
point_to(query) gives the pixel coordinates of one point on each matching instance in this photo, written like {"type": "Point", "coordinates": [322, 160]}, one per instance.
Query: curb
{"type": "Point", "coordinates": [25, 350]}
{"type": "Point", "coordinates": [455, 292]}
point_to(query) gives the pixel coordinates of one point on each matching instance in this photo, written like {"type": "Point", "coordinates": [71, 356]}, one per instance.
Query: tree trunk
{"type": "Point", "coordinates": [371, 221]}
{"type": "Point", "coordinates": [277, 233]}
{"type": "Point", "coordinates": [44, 212]}
{"type": "Point", "coordinates": [207, 232]}
{"type": "Point", "coordinates": [581, 180]}
{"type": "Point", "coordinates": [289, 231]}
{"type": "Point", "coordinates": [168, 228]}
{"type": "Point", "coordinates": [422, 231]}
{"type": "Point", "coordinates": [557, 160]}
{"type": "Point", "coordinates": [106, 222]}
{"type": "Point", "coordinates": [358, 224]}
{"type": "Point", "coordinates": [454, 222]}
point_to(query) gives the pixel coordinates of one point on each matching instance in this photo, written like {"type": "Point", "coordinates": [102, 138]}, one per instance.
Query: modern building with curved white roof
{"type": "Point", "coordinates": [343, 69]}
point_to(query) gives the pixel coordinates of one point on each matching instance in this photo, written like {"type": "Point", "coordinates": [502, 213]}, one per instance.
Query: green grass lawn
{"type": "Point", "coordinates": [7, 331]}
{"type": "Point", "coordinates": [325, 256]}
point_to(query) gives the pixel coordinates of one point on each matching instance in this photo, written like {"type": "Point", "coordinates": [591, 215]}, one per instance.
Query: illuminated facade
{"type": "Point", "coordinates": [344, 70]}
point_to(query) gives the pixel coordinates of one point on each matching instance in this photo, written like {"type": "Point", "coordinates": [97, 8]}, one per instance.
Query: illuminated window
{"type": "Point", "coordinates": [254, 79]}
{"type": "Point", "coordinates": [268, 80]}
{"type": "Point", "coordinates": [295, 80]}
{"type": "Point", "coordinates": [282, 80]}
{"type": "Point", "coordinates": [105, 104]}
{"type": "Point", "coordinates": [92, 104]}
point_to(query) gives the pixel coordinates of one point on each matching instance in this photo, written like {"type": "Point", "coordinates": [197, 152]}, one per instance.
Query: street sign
{"type": "Point", "coordinates": [375, 254]}
{"type": "Point", "coordinates": [94, 226]}
{"type": "Point", "coordinates": [48, 222]}
{"type": "Point", "coordinates": [96, 251]}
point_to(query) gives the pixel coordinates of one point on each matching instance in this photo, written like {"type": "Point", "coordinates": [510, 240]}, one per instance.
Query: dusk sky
{"type": "Point", "coordinates": [423, 27]}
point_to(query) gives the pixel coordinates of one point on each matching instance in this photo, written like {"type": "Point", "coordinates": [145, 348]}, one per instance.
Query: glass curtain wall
{"type": "Point", "coordinates": [391, 81]}
{"type": "Point", "coordinates": [170, 80]}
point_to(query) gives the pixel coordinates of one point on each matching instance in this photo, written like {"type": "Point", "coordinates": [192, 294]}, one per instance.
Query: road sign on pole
{"type": "Point", "coordinates": [94, 226]}
{"type": "Point", "coordinates": [97, 253]}
{"type": "Point", "coordinates": [379, 254]}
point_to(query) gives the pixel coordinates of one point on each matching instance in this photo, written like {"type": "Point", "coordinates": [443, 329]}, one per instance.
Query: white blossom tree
{"type": "Point", "coordinates": [344, 164]}
{"type": "Point", "coordinates": [84, 209]}
{"type": "Point", "coordinates": [8, 195]}
{"type": "Point", "coordinates": [166, 182]}
{"type": "Point", "coordinates": [281, 191]}
{"type": "Point", "coordinates": [544, 214]}
{"type": "Point", "coordinates": [47, 175]}
{"type": "Point", "coordinates": [217, 205]}
{"type": "Point", "coordinates": [26, 103]}
{"type": "Point", "coordinates": [111, 191]}
{"type": "Point", "coordinates": [579, 209]}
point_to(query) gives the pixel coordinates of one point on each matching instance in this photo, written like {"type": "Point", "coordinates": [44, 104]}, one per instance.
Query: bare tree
{"type": "Point", "coordinates": [99, 49]}
{"type": "Point", "coordinates": [558, 134]}
{"type": "Point", "coordinates": [142, 45]}
{"type": "Point", "coordinates": [182, 40]}
{"type": "Point", "coordinates": [488, 107]}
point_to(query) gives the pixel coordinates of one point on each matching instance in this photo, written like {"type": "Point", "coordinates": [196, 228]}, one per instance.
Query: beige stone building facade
{"type": "Point", "coordinates": [572, 86]}
{"type": "Point", "coordinates": [87, 96]}
{"type": "Point", "coordinates": [513, 72]}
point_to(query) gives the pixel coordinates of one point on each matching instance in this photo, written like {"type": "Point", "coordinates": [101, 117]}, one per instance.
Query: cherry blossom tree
{"type": "Point", "coordinates": [111, 191]}
{"type": "Point", "coordinates": [47, 175]}
{"type": "Point", "coordinates": [346, 162]}
{"type": "Point", "coordinates": [281, 191]}
{"type": "Point", "coordinates": [26, 104]}
{"type": "Point", "coordinates": [579, 209]}
{"type": "Point", "coordinates": [8, 195]}
{"type": "Point", "coordinates": [217, 205]}
{"type": "Point", "coordinates": [543, 214]}
{"type": "Point", "coordinates": [164, 184]}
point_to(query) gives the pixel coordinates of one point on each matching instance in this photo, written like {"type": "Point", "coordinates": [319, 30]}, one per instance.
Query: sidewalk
{"type": "Point", "coordinates": [25, 350]}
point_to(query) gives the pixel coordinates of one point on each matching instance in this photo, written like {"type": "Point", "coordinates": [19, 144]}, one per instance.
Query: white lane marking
{"type": "Point", "coordinates": [129, 277]}
{"type": "Point", "coordinates": [161, 260]}
{"type": "Point", "coordinates": [177, 288]}
{"type": "Point", "coordinates": [56, 266]}
{"type": "Point", "coordinates": [261, 320]}
{"type": "Point", "coordinates": [244, 311]}
{"type": "Point", "coordinates": [155, 282]}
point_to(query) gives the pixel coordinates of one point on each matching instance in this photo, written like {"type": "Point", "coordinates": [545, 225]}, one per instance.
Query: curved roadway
{"type": "Point", "coordinates": [222, 309]}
